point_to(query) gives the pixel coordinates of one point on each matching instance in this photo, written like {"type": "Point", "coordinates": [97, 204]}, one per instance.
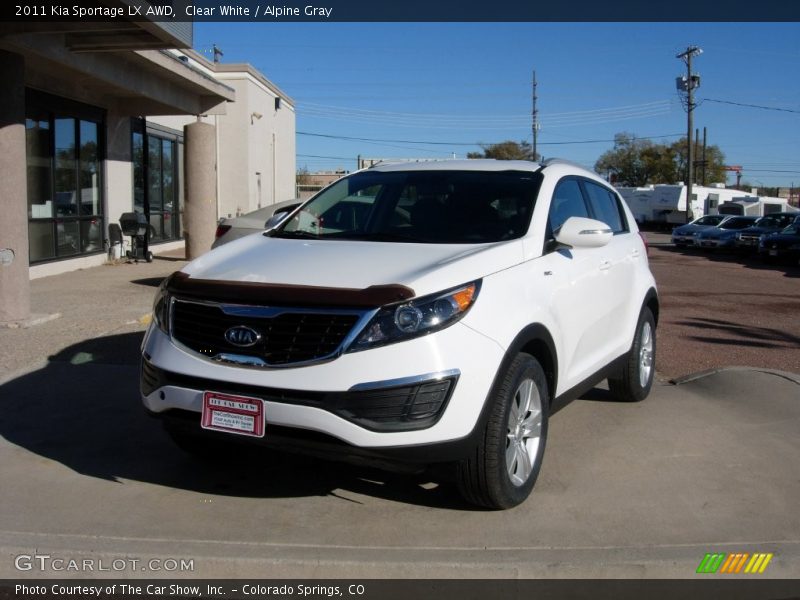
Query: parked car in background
{"type": "Point", "coordinates": [413, 314]}
{"type": "Point", "coordinates": [783, 245]}
{"type": "Point", "coordinates": [253, 222]}
{"type": "Point", "coordinates": [684, 234]}
{"type": "Point", "coordinates": [747, 239]}
{"type": "Point", "coordinates": [724, 234]}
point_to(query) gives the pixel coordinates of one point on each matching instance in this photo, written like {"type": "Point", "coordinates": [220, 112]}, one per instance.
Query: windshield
{"type": "Point", "coordinates": [772, 222]}
{"type": "Point", "coordinates": [436, 207]}
{"type": "Point", "coordinates": [737, 223]}
{"type": "Point", "coordinates": [793, 229]}
{"type": "Point", "coordinates": [709, 220]}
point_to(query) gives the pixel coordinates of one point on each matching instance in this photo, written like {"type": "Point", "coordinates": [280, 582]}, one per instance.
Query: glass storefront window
{"type": "Point", "coordinates": [41, 240]}
{"type": "Point", "coordinates": [155, 182]}
{"type": "Point", "coordinates": [66, 195]}
{"type": "Point", "coordinates": [89, 169]}
{"type": "Point", "coordinates": [40, 167]}
{"type": "Point", "coordinates": [68, 237]}
{"type": "Point", "coordinates": [168, 186]}
{"type": "Point", "coordinates": [138, 171]}
{"type": "Point", "coordinates": [65, 201]}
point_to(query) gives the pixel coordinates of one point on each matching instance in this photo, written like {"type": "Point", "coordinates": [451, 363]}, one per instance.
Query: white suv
{"type": "Point", "coordinates": [411, 315]}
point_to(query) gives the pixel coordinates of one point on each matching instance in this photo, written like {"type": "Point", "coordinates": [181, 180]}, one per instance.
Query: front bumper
{"type": "Point", "coordinates": [714, 242]}
{"type": "Point", "coordinates": [315, 397]}
{"type": "Point", "coordinates": [682, 240]}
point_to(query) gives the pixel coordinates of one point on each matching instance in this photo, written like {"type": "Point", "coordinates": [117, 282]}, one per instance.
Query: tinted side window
{"type": "Point", "coordinates": [605, 207]}
{"type": "Point", "coordinates": [567, 202]}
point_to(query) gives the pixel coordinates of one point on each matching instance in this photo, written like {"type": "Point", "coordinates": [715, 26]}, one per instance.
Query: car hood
{"type": "Point", "coordinates": [425, 268]}
{"type": "Point", "coordinates": [715, 233]}
{"type": "Point", "coordinates": [687, 229]}
{"type": "Point", "coordinates": [782, 240]}
{"type": "Point", "coordinates": [759, 230]}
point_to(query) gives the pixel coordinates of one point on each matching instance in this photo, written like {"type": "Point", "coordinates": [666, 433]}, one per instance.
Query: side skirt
{"type": "Point", "coordinates": [587, 384]}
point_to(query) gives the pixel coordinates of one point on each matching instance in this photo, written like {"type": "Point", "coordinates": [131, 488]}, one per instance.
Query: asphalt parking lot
{"type": "Point", "coordinates": [642, 490]}
{"type": "Point", "coordinates": [724, 309]}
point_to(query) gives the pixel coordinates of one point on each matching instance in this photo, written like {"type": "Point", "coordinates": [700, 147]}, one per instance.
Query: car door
{"type": "Point", "coordinates": [623, 253]}
{"type": "Point", "coordinates": [582, 295]}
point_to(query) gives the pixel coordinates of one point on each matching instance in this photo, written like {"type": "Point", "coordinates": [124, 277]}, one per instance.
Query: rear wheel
{"type": "Point", "coordinates": [635, 379]}
{"type": "Point", "coordinates": [504, 465]}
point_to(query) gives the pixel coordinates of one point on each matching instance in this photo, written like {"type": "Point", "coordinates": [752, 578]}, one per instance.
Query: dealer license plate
{"type": "Point", "coordinates": [233, 414]}
{"type": "Point", "coordinates": [773, 253]}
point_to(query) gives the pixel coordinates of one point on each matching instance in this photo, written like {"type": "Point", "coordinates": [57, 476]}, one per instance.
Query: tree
{"type": "Point", "coordinates": [507, 150]}
{"type": "Point", "coordinates": [303, 177]}
{"type": "Point", "coordinates": [635, 162]}
{"type": "Point", "coordinates": [715, 161]}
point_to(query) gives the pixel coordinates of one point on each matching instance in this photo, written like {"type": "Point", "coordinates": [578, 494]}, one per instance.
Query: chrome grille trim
{"type": "Point", "coordinates": [241, 358]}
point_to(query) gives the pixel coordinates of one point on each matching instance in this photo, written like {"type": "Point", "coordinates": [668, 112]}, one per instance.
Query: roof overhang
{"type": "Point", "coordinates": [131, 78]}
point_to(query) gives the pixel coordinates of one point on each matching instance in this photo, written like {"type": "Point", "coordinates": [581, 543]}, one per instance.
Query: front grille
{"type": "Point", "coordinates": [288, 336]}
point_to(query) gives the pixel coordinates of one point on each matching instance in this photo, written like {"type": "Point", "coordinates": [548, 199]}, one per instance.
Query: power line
{"type": "Point", "coordinates": [463, 122]}
{"type": "Point", "coordinates": [359, 139]}
{"type": "Point", "coordinates": [789, 110]}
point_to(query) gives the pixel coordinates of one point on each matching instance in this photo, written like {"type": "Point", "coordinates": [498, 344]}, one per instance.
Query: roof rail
{"type": "Point", "coordinates": [561, 161]}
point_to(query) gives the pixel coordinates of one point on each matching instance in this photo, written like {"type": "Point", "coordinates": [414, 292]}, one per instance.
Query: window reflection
{"type": "Point", "coordinates": [65, 203]}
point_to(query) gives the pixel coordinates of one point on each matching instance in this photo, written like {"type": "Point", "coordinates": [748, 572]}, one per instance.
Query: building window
{"type": "Point", "coordinates": [155, 176]}
{"type": "Point", "coordinates": [64, 153]}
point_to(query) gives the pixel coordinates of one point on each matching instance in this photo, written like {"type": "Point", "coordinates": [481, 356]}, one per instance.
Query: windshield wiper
{"type": "Point", "coordinates": [297, 234]}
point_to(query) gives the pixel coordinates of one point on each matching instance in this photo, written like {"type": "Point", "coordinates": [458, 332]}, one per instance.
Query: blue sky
{"type": "Point", "coordinates": [458, 84]}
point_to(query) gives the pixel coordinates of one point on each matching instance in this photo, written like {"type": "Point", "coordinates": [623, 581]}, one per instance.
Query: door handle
{"type": "Point", "coordinates": [635, 253]}
{"type": "Point", "coordinates": [605, 265]}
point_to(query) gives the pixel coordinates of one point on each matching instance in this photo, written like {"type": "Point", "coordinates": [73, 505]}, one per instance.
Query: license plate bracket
{"type": "Point", "coordinates": [240, 415]}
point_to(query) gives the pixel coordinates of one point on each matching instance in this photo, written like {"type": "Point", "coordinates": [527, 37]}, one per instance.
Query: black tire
{"type": "Point", "coordinates": [485, 478]}
{"type": "Point", "coordinates": [149, 257]}
{"type": "Point", "coordinates": [633, 384]}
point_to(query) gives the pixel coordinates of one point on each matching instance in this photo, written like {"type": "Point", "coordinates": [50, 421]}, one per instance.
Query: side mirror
{"type": "Point", "coordinates": [275, 219]}
{"type": "Point", "coordinates": [580, 232]}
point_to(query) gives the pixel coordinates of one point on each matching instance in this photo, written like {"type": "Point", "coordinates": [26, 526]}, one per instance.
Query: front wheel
{"type": "Point", "coordinates": [635, 379]}
{"type": "Point", "coordinates": [505, 463]}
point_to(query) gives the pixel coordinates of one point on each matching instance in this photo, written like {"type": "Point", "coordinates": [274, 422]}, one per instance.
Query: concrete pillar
{"type": "Point", "coordinates": [15, 299]}
{"type": "Point", "coordinates": [200, 209]}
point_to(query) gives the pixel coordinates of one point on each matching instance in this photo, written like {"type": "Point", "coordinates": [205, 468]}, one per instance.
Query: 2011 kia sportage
{"type": "Point", "coordinates": [428, 313]}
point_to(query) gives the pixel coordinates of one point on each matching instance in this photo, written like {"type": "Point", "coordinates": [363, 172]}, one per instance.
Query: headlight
{"type": "Point", "coordinates": [422, 316]}
{"type": "Point", "coordinates": [161, 307]}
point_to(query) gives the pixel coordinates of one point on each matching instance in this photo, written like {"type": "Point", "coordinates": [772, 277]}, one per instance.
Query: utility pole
{"type": "Point", "coordinates": [535, 118]}
{"type": "Point", "coordinates": [705, 162]}
{"type": "Point", "coordinates": [688, 84]}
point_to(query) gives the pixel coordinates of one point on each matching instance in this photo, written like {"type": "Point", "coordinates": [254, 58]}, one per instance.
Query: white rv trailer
{"type": "Point", "coordinates": [666, 204]}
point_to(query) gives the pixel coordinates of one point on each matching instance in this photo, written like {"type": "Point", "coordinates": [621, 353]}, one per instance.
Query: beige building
{"type": "Point", "coordinates": [101, 119]}
{"type": "Point", "coordinates": [255, 137]}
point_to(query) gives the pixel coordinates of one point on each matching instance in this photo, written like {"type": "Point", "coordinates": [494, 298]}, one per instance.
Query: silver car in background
{"type": "Point", "coordinates": [259, 220]}
{"type": "Point", "coordinates": [684, 235]}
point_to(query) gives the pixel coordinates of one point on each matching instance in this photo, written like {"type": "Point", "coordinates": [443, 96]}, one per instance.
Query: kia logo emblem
{"type": "Point", "coordinates": [242, 336]}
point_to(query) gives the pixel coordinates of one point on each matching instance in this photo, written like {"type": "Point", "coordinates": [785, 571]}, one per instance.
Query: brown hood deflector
{"type": "Point", "coordinates": [272, 294]}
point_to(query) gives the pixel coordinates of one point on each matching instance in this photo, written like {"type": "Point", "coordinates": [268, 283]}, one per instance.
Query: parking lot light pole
{"type": "Point", "coordinates": [688, 84]}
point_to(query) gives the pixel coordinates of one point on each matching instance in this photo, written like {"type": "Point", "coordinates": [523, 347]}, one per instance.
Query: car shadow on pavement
{"type": "Point", "coordinates": [83, 410]}
{"type": "Point", "coordinates": [748, 261]}
{"type": "Point", "coordinates": [739, 334]}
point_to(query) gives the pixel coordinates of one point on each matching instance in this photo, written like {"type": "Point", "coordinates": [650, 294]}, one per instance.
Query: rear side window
{"type": "Point", "coordinates": [567, 202]}
{"type": "Point", "coordinates": [605, 207]}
